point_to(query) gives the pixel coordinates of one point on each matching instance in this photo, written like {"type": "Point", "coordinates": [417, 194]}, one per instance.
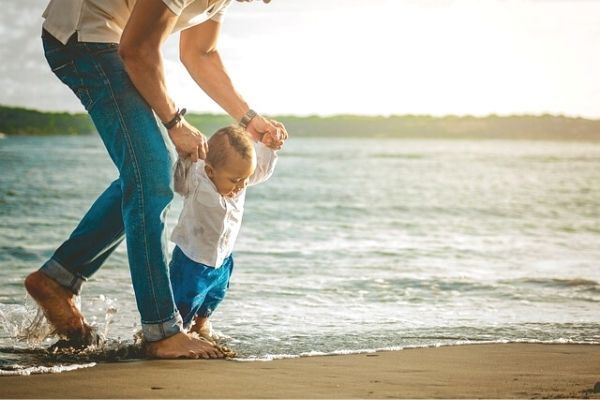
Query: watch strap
{"type": "Point", "coordinates": [246, 118]}
{"type": "Point", "coordinates": [175, 120]}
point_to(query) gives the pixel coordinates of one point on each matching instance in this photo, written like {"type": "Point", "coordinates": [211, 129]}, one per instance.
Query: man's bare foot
{"type": "Point", "coordinates": [58, 305]}
{"type": "Point", "coordinates": [182, 345]}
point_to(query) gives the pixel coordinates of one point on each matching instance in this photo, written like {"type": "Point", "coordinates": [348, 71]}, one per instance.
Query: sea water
{"type": "Point", "coordinates": [352, 245]}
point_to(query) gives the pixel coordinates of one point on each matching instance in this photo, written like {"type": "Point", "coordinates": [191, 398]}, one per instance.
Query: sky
{"type": "Point", "coordinates": [372, 57]}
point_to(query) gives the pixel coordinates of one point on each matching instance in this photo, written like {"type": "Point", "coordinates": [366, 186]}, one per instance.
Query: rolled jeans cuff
{"type": "Point", "coordinates": [63, 276]}
{"type": "Point", "coordinates": [155, 331]}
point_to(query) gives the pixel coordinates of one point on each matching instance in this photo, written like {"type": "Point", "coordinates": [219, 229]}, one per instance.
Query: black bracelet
{"type": "Point", "coordinates": [178, 116]}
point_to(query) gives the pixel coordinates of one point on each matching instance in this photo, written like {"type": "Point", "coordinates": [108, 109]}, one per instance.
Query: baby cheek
{"type": "Point", "coordinates": [231, 187]}
{"type": "Point", "coordinates": [224, 188]}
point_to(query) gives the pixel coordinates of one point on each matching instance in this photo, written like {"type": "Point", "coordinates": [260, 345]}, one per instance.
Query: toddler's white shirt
{"type": "Point", "coordinates": [209, 222]}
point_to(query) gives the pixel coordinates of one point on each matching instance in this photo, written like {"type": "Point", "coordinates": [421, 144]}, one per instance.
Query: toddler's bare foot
{"type": "Point", "coordinates": [58, 304]}
{"type": "Point", "coordinates": [203, 328]}
{"type": "Point", "coordinates": [182, 345]}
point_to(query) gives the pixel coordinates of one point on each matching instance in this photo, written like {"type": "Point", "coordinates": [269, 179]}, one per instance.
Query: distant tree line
{"type": "Point", "coordinates": [19, 121]}
{"type": "Point", "coordinates": [423, 126]}
{"type": "Point", "coordinates": [22, 121]}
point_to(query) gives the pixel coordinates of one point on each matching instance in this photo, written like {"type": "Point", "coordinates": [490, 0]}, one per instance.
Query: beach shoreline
{"type": "Point", "coordinates": [515, 370]}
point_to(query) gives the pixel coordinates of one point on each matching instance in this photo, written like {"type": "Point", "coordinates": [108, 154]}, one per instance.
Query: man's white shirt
{"type": "Point", "coordinates": [104, 20]}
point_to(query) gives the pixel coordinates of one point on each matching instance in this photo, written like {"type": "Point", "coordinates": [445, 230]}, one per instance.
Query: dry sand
{"type": "Point", "coordinates": [473, 371]}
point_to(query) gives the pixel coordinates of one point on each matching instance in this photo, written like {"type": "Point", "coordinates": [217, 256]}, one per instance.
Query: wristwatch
{"type": "Point", "coordinates": [245, 121]}
{"type": "Point", "coordinates": [175, 120]}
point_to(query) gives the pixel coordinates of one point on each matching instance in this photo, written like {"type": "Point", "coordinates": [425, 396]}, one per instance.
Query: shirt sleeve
{"type": "Point", "coordinates": [218, 17]}
{"type": "Point", "coordinates": [177, 6]}
{"type": "Point", "coordinates": [266, 158]}
{"type": "Point", "coordinates": [182, 176]}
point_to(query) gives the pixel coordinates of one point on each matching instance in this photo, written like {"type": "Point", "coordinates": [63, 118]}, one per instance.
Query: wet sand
{"type": "Point", "coordinates": [472, 371]}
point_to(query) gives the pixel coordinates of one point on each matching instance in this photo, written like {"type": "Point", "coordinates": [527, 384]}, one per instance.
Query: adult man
{"type": "Point", "coordinates": [109, 53]}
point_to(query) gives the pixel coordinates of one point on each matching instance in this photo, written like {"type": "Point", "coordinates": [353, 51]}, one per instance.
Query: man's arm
{"type": "Point", "coordinates": [198, 52]}
{"type": "Point", "coordinates": [148, 27]}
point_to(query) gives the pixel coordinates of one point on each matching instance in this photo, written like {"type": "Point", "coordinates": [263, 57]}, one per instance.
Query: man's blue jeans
{"type": "Point", "coordinates": [133, 206]}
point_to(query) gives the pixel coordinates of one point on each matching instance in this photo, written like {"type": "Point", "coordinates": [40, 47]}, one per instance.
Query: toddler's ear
{"type": "Point", "coordinates": [209, 170]}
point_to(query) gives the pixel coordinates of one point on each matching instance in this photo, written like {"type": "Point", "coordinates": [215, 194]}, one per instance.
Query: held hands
{"type": "Point", "coordinates": [268, 131]}
{"type": "Point", "coordinates": [188, 141]}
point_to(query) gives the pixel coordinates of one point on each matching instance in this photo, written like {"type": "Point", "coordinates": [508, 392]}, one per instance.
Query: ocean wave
{"type": "Point", "coordinates": [22, 370]}
{"type": "Point", "coordinates": [553, 289]}
{"type": "Point", "coordinates": [19, 370]}
{"type": "Point", "coordinates": [30, 360]}
{"type": "Point", "coordinates": [531, 289]}
{"type": "Point", "coordinates": [553, 159]}
{"type": "Point", "coordinates": [406, 156]}
{"type": "Point", "coordinates": [22, 253]}
{"type": "Point", "coordinates": [580, 283]}
{"type": "Point", "coordinates": [415, 284]}
{"type": "Point", "coordinates": [272, 357]}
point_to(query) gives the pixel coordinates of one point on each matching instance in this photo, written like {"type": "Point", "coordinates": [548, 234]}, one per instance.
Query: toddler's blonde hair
{"type": "Point", "coordinates": [226, 139]}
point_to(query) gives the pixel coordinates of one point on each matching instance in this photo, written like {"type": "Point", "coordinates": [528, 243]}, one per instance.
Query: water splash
{"type": "Point", "coordinates": [109, 313]}
{"type": "Point", "coordinates": [28, 337]}
{"type": "Point", "coordinates": [24, 325]}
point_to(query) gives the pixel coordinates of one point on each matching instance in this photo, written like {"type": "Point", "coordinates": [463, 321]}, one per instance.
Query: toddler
{"type": "Point", "coordinates": [214, 191]}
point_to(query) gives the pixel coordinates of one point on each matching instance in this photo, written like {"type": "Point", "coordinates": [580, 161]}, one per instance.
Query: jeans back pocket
{"type": "Point", "coordinates": [61, 60]}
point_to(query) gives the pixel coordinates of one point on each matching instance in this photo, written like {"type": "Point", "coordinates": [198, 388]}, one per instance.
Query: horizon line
{"type": "Point", "coordinates": [337, 115]}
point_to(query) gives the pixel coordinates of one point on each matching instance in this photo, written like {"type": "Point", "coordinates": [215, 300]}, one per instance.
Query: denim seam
{"type": "Point", "coordinates": [138, 186]}
{"type": "Point", "coordinates": [73, 281]}
{"type": "Point", "coordinates": [52, 51]}
{"type": "Point", "coordinates": [82, 88]}
{"type": "Point", "coordinates": [112, 240]}
{"type": "Point", "coordinates": [83, 277]}
{"type": "Point", "coordinates": [162, 321]}
{"type": "Point", "coordinates": [95, 50]}
{"type": "Point", "coordinates": [47, 40]}
{"type": "Point", "coordinates": [75, 274]}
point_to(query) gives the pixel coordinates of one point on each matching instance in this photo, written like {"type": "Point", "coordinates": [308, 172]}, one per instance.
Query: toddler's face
{"type": "Point", "coordinates": [231, 177]}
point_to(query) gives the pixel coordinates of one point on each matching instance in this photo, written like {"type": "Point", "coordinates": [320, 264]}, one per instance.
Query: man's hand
{"type": "Point", "coordinates": [188, 141]}
{"type": "Point", "coordinates": [268, 131]}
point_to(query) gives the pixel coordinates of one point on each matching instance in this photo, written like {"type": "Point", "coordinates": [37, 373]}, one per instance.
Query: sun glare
{"type": "Point", "coordinates": [420, 57]}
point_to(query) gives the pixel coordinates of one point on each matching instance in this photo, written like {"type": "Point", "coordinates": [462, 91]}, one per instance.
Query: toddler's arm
{"type": "Point", "coordinates": [266, 158]}
{"type": "Point", "coordinates": [181, 176]}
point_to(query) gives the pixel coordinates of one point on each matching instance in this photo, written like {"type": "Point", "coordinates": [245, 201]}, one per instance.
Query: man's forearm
{"type": "Point", "coordinates": [148, 27]}
{"type": "Point", "coordinates": [145, 69]}
{"type": "Point", "coordinates": [210, 74]}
